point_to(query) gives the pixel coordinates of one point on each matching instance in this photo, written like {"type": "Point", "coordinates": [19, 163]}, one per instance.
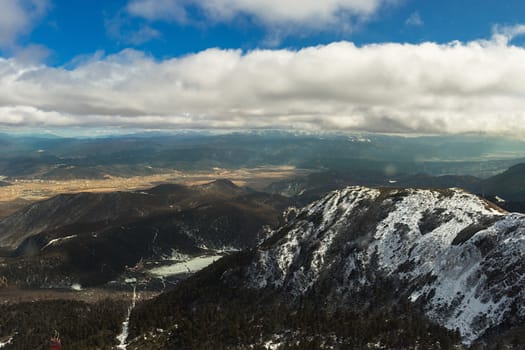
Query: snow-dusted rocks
{"type": "Point", "coordinates": [458, 256]}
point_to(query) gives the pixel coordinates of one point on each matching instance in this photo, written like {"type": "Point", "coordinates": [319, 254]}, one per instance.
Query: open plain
{"type": "Point", "coordinates": [22, 192]}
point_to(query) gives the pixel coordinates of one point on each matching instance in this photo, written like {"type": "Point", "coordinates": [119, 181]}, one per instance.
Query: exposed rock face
{"type": "Point", "coordinates": [458, 256]}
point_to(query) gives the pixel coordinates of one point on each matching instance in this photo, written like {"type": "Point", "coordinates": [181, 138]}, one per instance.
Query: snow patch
{"type": "Point", "coordinates": [499, 199]}
{"type": "Point", "coordinates": [6, 342]}
{"type": "Point", "coordinates": [123, 336]}
{"type": "Point", "coordinates": [274, 343]}
{"type": "Point", "coordinates": [273, 266]}
{"type": "Point", "coordinates": [57, 241]}
{"type": "Point", "coordinates": [189, 266]}
{"type": "Point", "coordinates": [76, 287]}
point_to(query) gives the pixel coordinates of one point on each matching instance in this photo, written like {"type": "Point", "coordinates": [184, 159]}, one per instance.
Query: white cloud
{"type": "Point", "coordinates": [308, 12]}
{"type": "Point", "coordinates": [142, 35]}
{"type": "Point", "coordinates": [452, 88]}
{"type": "Point", "coordinates": [414, 20]}
{"type": "Point", "coordinates": [168, 10]}
{"type": "Point", "coordinates": [18, 17]}
{"type": "Point", "coordinates": [280, 19]}
{"type": "Point", "coordinates": [298, 14]}
{"type": "Point", "coordinates": [505, 34]}
{"type": "Point", "coordinates": [120, 28]}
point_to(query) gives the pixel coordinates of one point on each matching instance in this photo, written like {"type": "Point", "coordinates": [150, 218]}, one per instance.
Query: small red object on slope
{"type": "Point", "coordinates": [55, 343]}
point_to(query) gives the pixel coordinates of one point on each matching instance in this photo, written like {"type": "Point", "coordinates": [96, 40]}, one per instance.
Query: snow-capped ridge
{"type": "Point", "coordinates": [453, 252]}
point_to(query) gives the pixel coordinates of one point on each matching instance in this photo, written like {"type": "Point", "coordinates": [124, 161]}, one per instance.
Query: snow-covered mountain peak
{"type": "Point", "coordinates": [455, 254]}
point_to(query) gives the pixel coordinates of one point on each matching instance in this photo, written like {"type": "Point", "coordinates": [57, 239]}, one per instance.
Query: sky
{"type": "Point", "coordinates": [390, 66]}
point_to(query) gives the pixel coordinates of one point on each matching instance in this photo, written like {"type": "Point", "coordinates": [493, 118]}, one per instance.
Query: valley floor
{"type": "Point", "coordinates": [22, 192]}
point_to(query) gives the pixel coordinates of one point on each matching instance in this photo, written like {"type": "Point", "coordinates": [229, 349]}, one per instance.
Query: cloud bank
{"type": "Point", "coordinates": [458, 87]}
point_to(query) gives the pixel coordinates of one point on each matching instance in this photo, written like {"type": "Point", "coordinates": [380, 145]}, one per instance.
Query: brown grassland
{"type": "Point", "coordinates": [22, 192]}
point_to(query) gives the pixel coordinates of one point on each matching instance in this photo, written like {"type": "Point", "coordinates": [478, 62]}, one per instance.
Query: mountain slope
{"type": "Point", "coordinates": [318, 184]}
{"type": "Point", "coordinates": [91, 239]}
{"type": "Point", "coordinates": [450, 249]}
{"type": "Point", "coordinates": [509, 185]}
{"type": "Point", "coordinates": [449, 254]}
{"type": "Point", "coordinates": [107, 208]}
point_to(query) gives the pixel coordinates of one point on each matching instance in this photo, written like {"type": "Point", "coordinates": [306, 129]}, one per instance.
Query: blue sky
{"type": "Point", "coordinates": [396, 66]}
{"type": "Point", "coordinates": [73, 28]}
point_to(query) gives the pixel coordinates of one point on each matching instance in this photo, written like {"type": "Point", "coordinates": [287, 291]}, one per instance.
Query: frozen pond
{"type": "Point", "coordinates": [188, 266]}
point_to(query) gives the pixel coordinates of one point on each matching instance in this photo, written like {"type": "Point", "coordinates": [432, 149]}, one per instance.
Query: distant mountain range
{"type": "Point", "coordinates": [509, 185]}
{"type": "Point", "coordinates": [48, 157]}
{"type": "Point", "coordinates": [507, 189]}
{"type": "Point", "coordinates": [316, 185]}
